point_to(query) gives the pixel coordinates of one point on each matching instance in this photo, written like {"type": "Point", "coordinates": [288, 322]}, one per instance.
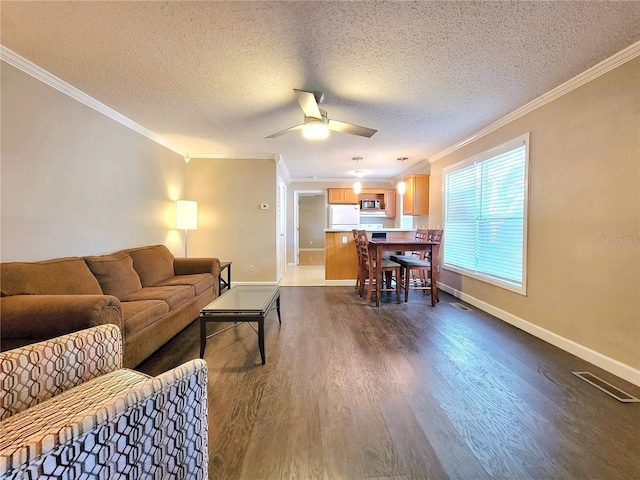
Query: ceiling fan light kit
{"type": "Point", "coordinates": [316, 120]}
{"type": "Point", "coordinates": [315, 129]}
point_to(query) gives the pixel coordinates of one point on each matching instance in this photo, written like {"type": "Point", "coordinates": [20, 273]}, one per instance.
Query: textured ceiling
{"type": "Point", "coordinates": [218, 77]}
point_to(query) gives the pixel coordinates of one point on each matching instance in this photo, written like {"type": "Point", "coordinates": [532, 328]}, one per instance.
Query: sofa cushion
{"type": "Point", "coordinates": [153, 263]}
{"type": "Point", "coordinates": [140, 314]}
{"type": "Point", "coordinates": [115, 273]}
{"type": "Point", "coordinates": [61, 276]}
{"type": "Point", "coordinates": [200, 282]}
{"type": "Point", "coordinates": [174, 296]}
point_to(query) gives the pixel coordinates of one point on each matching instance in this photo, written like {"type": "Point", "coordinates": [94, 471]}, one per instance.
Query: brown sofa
{"type": "Point", "coordinates": [147, 292]}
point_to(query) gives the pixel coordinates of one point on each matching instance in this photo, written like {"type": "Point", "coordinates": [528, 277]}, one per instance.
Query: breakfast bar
{"type": "Point", "coordinates": [377, 246]}
{"type": "Point", "coordinates": [341, 261]}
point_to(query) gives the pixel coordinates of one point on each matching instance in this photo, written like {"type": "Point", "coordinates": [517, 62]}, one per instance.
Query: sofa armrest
{"type": "Point", "coordinates": [189, 266]}
{"type": "Point", "coordinates": [30, 318]}
{"type": "Point", "coordinates": [34, 373]}
{"type": "Point", "coordinates": [157, 429]}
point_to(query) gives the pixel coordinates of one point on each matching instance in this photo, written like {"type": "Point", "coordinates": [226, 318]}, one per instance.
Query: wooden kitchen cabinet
{"type": "Point", "coordinates": [416, 197]}
{"type": "Point", "coordinates": [387, 199]}
{"type": "Point", "coordinates": [342, 195]}
{"type": "Point", "coordinates": [341, 261]}
{"type": "Point", "coordinates": [390, 203]}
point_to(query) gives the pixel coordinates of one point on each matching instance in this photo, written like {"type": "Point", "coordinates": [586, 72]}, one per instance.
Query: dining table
{"type": "Point", "coordinates": [379, 245]}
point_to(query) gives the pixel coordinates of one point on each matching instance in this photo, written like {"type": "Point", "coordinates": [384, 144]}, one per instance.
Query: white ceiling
{"type": "Point", "coordinates": [218, 77]}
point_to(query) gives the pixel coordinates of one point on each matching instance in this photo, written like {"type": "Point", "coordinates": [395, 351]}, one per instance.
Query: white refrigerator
{"type": "Point", "coordinates": [344, 216]}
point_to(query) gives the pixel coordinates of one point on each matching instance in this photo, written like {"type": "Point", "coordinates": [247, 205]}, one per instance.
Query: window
{"type": "Point", "coordinates": [485, 215]}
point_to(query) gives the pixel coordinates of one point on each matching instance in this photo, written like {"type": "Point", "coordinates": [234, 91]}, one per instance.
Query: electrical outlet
{"type": "Point", "coordinates": [310, 242]}
{"type": "Point", "coordinates": [264, 206]}
{"type": "Point", "coordinates": [252, 268]}
{"type": "Point", "coordinates": [344, 239]}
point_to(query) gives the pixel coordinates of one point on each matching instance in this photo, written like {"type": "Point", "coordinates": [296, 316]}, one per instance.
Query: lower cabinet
{"type": "Point", "coordinates": [341, 261]}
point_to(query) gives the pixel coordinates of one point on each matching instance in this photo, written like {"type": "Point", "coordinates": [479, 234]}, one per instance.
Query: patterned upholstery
{"type": "Point", "coordinates": [37, 372]}
{"type": "Point", "coordinates": [121, 424]}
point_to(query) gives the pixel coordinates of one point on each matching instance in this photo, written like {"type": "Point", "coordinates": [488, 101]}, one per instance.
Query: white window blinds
{"type": "Point", "coordinates": [485, 216]}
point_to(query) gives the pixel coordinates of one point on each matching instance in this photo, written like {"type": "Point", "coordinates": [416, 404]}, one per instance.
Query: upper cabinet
{"type": "Point", "coordinates": [386, 199]}
{"type": "Point", "coordinates": [416, 197]}
{"type": "Point", "coordinates": [342, 195]}
{"type": "Point", "coordinates": [390, 203]}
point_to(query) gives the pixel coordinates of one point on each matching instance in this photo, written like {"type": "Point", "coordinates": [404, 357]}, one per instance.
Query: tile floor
{"type": "Point", "coordinates": [303, 276]}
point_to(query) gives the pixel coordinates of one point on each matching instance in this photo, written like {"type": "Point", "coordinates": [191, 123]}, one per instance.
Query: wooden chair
{"type": "Point", "coordinates": [416, 269]}
{"type": "Point", "coordinates": [357, 234]}
{"type": "Point", "coordinates": [369, 269]}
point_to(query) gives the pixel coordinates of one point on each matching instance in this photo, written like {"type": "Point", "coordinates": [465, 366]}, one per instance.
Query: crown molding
{"type": "Point", "coordinates": [228, 156]}
{"type": "Point", "coordinates": [592, 73]}
{"type": "Point", "coordinates": [39, 73]}
{"type": "Point", "coordinates": [364, 181]}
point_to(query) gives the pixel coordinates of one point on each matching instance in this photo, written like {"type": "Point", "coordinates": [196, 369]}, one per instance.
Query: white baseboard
{"type": "Point", "coordinates": [312, 249]}
{"type": "Point", "coordinates": [291, 264]}
{"type": "Point", "coordinates": [609, 364]}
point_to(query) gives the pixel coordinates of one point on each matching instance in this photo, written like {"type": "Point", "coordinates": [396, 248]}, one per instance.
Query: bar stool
{"type": "Point", "coordinates": [416, 270]}
{"type": "Point", "coordinates": [369, 271]}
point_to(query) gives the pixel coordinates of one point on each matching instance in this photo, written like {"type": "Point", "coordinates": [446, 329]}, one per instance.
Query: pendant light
{"type": "Point", "coordinates": [357, 186]}
{"type": "Point", "coordinates": [402, 187]}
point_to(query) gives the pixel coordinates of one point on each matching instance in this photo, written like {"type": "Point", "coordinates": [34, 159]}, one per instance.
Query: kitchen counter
{"type": "Point", "coordinates": [340, 259]}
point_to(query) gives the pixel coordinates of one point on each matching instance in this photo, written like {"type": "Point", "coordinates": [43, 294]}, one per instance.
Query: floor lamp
{"type": "Point", "coordinates": [186, 218]}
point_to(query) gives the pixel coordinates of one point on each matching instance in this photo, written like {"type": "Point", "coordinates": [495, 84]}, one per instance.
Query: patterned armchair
{"type": "Point", "coordinates": [68, 410]}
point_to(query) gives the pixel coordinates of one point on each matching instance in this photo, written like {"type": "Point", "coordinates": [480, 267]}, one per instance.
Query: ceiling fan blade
{"type": "Point", "coordinates": [307, 101]}
{"type": "Point", "coordinates": [297, 127]}
{"type": "Point", "coordinates": [337, 126]}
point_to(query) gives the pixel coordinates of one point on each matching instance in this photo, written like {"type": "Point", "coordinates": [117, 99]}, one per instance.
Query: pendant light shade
{"type": "Point", "coordinates": [402, 187]}
{"type": "Point", "coordinates": [357, 186]}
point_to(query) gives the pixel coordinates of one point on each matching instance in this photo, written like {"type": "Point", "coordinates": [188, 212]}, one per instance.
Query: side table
{"type": "Point", "coordinates": [222, 283]}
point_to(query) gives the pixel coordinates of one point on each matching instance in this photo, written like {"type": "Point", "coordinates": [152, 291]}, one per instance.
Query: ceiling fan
{"type": "Point", "coordinates": [316, 123]}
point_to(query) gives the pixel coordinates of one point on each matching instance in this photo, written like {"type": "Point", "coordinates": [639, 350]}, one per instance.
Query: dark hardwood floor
{"type": "Point", "coordinates": [403, 391]}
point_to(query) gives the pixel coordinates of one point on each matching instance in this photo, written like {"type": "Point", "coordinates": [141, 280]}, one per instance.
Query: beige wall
{"type": "Point", "coordinates": [584, 216]}
{"type": "Point", "coordinates": [75, 182]}
{"type": "Point", "coordinates": [231, 225]}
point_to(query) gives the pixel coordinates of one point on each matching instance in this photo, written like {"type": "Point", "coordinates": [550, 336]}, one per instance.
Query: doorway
{"type": "Point", "coordinates": [310, 220]}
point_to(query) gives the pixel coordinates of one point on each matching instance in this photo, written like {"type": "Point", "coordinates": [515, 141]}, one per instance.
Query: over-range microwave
{"type": "Point", "coordinates": [370, 204]}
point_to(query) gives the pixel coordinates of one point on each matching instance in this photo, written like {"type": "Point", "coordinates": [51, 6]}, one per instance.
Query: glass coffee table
{"type": "Point", "coordinates": [241, 303]}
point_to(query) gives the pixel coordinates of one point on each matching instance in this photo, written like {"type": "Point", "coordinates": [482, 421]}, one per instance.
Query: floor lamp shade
{"type": "Point", "coordinates": [186, 215]}
{"type": "Point", "coordinates": [186, 218]}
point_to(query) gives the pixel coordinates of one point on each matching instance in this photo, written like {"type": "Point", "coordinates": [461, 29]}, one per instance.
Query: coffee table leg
{"type": "Point", "coordinates": [203, 336]}
{"type": "Point", "coordinates": [261, 338]}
